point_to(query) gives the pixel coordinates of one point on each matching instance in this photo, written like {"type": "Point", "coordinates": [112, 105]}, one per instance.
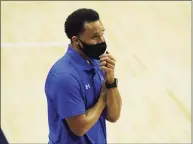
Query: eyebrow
{"type": "Point", "coordinates": [97, 32]}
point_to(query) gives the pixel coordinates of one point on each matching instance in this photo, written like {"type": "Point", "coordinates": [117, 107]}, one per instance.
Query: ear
{"type": "Point", "coordinates": [74, 39]}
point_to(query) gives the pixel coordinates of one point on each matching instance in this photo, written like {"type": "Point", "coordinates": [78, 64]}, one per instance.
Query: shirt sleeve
{"type": "Point", "coordinates": [68, 99]}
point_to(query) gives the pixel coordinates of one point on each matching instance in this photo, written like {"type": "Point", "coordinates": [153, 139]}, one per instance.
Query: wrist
{"type": "Point", "coordinates": [110, 81]}
{"type": "Point", "coordinates": [112, 84]}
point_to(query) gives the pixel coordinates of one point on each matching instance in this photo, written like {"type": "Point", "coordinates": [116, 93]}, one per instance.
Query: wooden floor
{"type": "Point", "coordinates": [151, 42]}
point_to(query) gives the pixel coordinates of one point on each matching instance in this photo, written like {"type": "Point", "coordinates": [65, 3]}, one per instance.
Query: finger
{"type": "Point", "coordinates": [107, 55]}
{"type": "Point", "coordinates": [103, 63]}
{"type": "Point", "coordinates": [111, 57]}
{"type": "Point", "coordinates": [108, 60]}
{"type": "Point", "coordinates": [106, 69]}
{"type": "Point", "coordinates": [104, 55]}
{"type": "Point", "coordinates": [110, 66]}
{"type": "Point", "coordinates": [107, 52]}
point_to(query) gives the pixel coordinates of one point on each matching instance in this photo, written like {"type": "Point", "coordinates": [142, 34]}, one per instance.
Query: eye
{"type": "Point", "coordinates": [95, 36]}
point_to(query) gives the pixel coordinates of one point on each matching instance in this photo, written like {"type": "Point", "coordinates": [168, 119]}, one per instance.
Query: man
{"type": "Point", "coordinates": [81, 88]}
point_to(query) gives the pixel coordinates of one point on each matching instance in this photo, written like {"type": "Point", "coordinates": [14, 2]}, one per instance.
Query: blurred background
{"type": "Point", "coordinates": [151, 42]}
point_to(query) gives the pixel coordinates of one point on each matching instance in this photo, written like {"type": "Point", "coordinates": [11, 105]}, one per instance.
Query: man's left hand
{"type": "Point", "coordinates": [107, 63]}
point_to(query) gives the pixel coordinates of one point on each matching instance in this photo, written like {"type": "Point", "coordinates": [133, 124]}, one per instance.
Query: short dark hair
{"type": "Point", "coordinates": [74, 24]}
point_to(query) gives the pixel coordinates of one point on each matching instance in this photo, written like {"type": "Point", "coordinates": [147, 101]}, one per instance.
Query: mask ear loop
{"type": "Point", "coordinates": [81, 48]}
{"type": "Point", "coordinates": [80, 40]}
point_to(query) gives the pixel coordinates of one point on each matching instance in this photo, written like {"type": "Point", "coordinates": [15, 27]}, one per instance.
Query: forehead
{"type": "Point", "coordinates": [93, 27]}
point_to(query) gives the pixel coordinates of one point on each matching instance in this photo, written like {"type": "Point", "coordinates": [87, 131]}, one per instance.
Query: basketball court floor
{"type": "Point", "coordinates": [151, 42]}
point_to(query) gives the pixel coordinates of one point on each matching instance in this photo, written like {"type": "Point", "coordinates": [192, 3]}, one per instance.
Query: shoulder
{"type": "Point", "coordinates": [63, 82]}
{"type": "Point", "coordinates": [61, 72]}
{"type": "Point", "coordinates": [62, 66]}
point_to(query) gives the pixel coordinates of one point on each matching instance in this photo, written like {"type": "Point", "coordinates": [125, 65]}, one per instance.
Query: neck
{"type": "Point", "coordinates": [80, 52]}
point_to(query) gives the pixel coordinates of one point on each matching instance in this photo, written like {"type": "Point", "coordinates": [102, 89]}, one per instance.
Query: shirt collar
{"type": "Point", "coordinates": [79, 61]}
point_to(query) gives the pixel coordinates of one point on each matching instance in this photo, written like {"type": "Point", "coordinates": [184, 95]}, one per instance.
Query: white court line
{"type": "Point", "coordinates": [34, 44]}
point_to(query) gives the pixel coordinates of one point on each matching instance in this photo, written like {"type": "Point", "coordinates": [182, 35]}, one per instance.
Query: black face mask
{"type": "Point", "coordinates": [94, 50]}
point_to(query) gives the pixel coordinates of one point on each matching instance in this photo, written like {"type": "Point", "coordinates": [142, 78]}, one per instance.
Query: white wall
{"type": "Point", "coordinates": [151, 42]}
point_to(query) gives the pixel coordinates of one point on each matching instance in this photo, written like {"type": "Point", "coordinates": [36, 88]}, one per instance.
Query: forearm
{"type": "Point", "coordinates": [93, 114]}
{"type": "Point", "coordinates": [114, 104]}
{"type": "Point", "coordinates": [81, 124]}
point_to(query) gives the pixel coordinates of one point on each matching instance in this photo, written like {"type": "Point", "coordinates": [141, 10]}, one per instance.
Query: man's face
{"type": "Point", "coordinates": [91, 42]}
{"type": "Point", "coordinates": [93, 33]}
